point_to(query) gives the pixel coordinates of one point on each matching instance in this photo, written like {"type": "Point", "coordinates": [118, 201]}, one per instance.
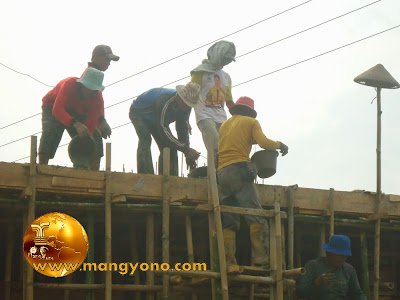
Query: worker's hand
{"type": "Point", "coordinates": [105, 129]}
{"type": "Point", "coordinates": [191, 157]}
{"type": "Point", "coordinates": [81, 129]}
{"type": "Point", "coordinates": [325, 279]}
{"type": "Point", "coordinates": [284, 149]}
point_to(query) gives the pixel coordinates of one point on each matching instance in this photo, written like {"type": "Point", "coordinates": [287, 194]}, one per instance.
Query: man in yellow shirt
{"type": "Point", "coordinates": [236, 176]}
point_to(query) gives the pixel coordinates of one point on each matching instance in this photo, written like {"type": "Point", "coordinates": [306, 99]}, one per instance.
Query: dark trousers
{"type": "Point", "coordinates": [237, 188]}
{"type": "Point", "coordinates": [145, 130]}
{"type": "Point", "coordinates": [52, 132]}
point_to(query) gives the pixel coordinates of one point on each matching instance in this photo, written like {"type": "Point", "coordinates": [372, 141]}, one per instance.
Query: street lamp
{"type": "Point", "coordinates": [379, 78]}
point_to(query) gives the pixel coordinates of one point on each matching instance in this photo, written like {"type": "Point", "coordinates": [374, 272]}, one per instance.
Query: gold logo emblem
{"type": "Point", "coordinates": [55, 244]}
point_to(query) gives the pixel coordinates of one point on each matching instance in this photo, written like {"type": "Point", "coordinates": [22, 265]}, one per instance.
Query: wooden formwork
{"type": "Point", "coordinates": [27, 189]}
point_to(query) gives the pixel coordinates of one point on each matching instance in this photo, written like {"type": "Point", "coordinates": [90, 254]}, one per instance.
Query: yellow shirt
{"type": "Point", "coordinates": [236, 137]}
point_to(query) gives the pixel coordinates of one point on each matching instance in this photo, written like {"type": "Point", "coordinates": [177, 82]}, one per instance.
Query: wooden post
{"type": "Point", "coordinates": [189, 243]}
{"type": "Point", "coordinates": [364, 265]}
{"type": "Point", "coordinates": [108, 256]}
{"type": "Point", "coordinates": [149, 252]}
{"type": "Point", "coordinates": [90, 256]}
{"type": "Point", "coordinates": [212, 184]}
{"type": "Point", "coordinates": [278, 272]}
{"type": "Point", "coordinates": [283, 247]}
{"type": "Point", "coordinates": [272, 256]}
{"type": "Point", "coordinates": [290, 236]}
{"type": "Point", "coordinates": [165, 216]}
{"type": "Point", "coordinates": [31, 214]}
{"type": "Point", "coordinates": [332, 212]}
{"type": "Point", "coordinates": [135, 255]}
{"type": "Point", "coordinates": [9, 260]}
{"type": "Point", "coordinates": [322, 239]}
{"type": "Point", "coordinates": [68, 280]}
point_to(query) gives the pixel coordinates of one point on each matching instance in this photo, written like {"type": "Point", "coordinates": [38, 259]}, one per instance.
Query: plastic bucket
{"type": "Point", "coordinates": [265, 161]}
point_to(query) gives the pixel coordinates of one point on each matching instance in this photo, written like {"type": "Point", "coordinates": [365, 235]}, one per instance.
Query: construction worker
{"type": "Point", "coordinates": [152, 112]}
{"type": "Point", "coordinates": [216, 89]}
{"type": "Point", "coordinates": [331, 277]}
{"type": "Point", "coordinates": [102, 55]}
{"type": "Point", "coordinates": [236, 176]}
{"type": "Point", "coordinates": [75, 104]}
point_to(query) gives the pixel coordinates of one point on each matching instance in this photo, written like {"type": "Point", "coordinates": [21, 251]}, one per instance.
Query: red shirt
{"type": "Point", "coordinates": [66, 99]}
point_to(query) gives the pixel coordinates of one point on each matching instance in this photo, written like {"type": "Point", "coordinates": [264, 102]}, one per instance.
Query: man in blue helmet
{"type": "Point", "coordinates": [330, 277]}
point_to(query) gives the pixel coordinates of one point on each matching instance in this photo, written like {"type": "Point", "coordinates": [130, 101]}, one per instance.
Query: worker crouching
{"type": "Point", "coordinates": [236, 176]}
{"type": "Point", "coordinates": [75, 104]}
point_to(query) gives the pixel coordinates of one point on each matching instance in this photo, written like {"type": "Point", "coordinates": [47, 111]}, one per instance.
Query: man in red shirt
{"type": "Point", "coordinates": [102, 55]}
{"type": "Point", "coordinates": [75, 104]}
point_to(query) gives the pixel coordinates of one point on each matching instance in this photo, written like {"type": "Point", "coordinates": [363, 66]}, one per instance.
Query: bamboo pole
{"type": "Point", "coordinates": [90, 256]}
{"type": "Point", "coordinates": [290, 235]}
{"type": "Point", "coordinates": [108, 254]}
{"type": "Point", "coordinates": [212, 183]}
{"type": "Point", "coordinates": [135, 254]}
{"type": "Point", "coordinates": [272, 255]}
{"type": "Point", "coordinates": [283, 247]}
{"type": "Point", "coordinates": [278, 272]}
{"type": "Point", "coordinates": [68, 280]}
{"type": "Point", "coordinates": [332, 212]}
{"type": "Point", "coordinates": [165, 217]}
{"type": "Point", "coordinates": [214, 259]}
{"type": "Point", "coordinates": [31, 213]}
{"type": "Point", "coordinates": [150, 252]}
{"type": "Point", "coordinates": [322, 239]}
{"type": "Point", "coordinates": [364, 265]}
{"type": "Point", "coordinates": [189, 242]}
{"type": "Point", "coordinates": [9, 260]}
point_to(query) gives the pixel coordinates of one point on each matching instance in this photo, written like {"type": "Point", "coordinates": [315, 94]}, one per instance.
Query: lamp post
{"type": "Point", "coordinates": [379, 78]}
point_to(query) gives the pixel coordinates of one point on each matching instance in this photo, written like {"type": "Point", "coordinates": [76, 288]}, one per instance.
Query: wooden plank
{"type": "Point", "coordinates": [243, 211]}
{"type": "Point", "coordinates": [69, 172]}
{"type": "Point", "coordinates": [77, 182]}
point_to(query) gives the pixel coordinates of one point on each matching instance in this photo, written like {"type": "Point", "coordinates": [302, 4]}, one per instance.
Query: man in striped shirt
{"type": "Point", "coordinates": [152, 112]}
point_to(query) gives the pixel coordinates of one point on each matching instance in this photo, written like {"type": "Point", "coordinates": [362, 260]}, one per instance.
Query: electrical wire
{"type": "Point", "coordinates": [25, 75]}
{"type": "Point", "coordinates": [164, 62]}
{"type": "Point", "coordinates": [289, 66]}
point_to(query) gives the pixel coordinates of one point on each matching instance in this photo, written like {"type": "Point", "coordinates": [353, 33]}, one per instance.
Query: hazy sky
{"type": "Point", "coordinates": [314, 107]}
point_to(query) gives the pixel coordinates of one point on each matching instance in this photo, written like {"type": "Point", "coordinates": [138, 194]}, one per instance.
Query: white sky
{"type": "Point", "coordinates": [325, 118]}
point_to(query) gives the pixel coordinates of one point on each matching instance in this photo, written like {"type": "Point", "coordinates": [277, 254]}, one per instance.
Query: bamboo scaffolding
{"type": "Point", "coordinates": [364, 265]}
{"type": "Point", "coordinates": [8, 261]}
{"type": "Point", "coordinates": [189, 243]}
{"type": "Point", "coordinates": [90, 256]}
{"type": "Point", "coordinates": [212, 183]}
{"type": "Point", "coordinates": [290, 200]}
{"type": "Point", "coordinates": [108, 254]}
{"type": "Point", "coordinates": [135, 254]}
{"type": "Point", "coordinates": [165, 218]}
{"type": "Point", "coordinates": [278, 272]}
{"type": "Point", "coordinates": [150, 251]}
{"type": "Point", "coordinates": [31, 214]}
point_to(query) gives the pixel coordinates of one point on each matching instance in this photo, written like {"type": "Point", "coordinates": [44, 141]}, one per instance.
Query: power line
{"type": "Point", "coordinates": [247, 53]}
{"type": "Point", "coordinates": [289, 66]}
{"type": "Point", "coordinates": [164, 62]}
{"type": "Point", "coordinates": [25, 75]}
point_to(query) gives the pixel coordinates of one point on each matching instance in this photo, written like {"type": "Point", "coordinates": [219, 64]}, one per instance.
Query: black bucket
{"type": "Point", "coordinates": [82, 151]}
{"type": "Point", "coordinates": [265, 161]}
{"type": "Point", "coordinates": [200, 172]}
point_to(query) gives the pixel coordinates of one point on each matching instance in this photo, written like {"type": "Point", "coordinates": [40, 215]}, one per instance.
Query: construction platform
{"type": "Point", "coordinates": [160, 218]}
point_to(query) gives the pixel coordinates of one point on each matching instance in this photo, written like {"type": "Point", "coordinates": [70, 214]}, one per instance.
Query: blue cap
{"type": "Point", "coordinates": [338, 244]}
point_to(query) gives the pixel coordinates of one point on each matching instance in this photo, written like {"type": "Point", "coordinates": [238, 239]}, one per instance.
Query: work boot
{"type": "Point", "coordinates": [257, 235]}
{"type": "Point", "coordinates": [230, 249]}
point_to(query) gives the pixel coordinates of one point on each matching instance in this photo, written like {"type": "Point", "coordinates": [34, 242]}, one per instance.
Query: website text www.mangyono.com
{"type": "Point", "coordinates": [122, 268]}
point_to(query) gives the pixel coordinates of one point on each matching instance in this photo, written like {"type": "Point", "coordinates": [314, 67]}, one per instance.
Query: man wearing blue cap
{"type": "Point", "coordinates": [331, 277]}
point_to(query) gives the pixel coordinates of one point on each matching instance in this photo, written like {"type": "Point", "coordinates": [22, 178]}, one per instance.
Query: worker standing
{"type": "Point", "coordinates": [236, 175]}
{"type": "Point", "coordinates": [102, 56]}
{"type": "Point", "coordinates": [216, 90]}
{"type": "Point", "coordinates": [75, 104]}
{"type": "Point", "coordinates": [152, 112]}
